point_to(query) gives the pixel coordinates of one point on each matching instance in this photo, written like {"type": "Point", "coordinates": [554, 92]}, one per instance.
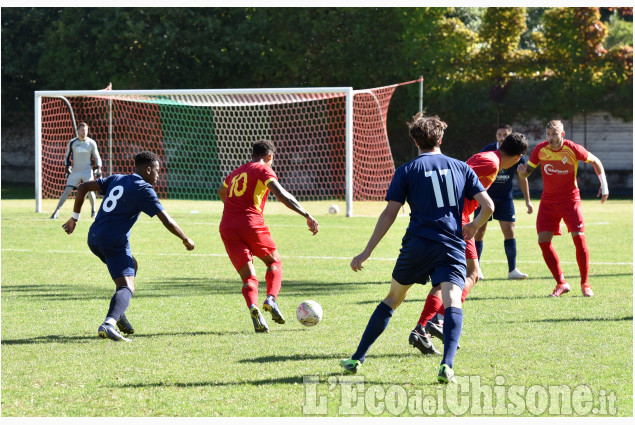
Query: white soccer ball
{"type": "Point", "coordinates": [334, 209]}
{"type": "Point", "coordinates": [309, 313]}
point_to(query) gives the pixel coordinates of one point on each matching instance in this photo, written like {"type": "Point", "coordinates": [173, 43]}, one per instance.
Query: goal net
{"type": "Point", "coordinates": [331, 143]}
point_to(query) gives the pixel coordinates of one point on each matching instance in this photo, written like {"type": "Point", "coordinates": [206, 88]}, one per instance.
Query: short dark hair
{"type": "Point", "coordinates": [262, 148]}
{"type": "Point", "coordinates": [145, 158]}
{"type": "Point", "coordinates": [426, 132]}
{"type": "Point", "coordinates": [515, 144]}
{"type": "Point", "coordinates": [506, 127]}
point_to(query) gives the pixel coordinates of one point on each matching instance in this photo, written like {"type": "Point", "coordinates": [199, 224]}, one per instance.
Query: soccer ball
{"type": "Point", "coordinates": [309, 313]}
{"type": "Point", "coordinates": [334, 209]}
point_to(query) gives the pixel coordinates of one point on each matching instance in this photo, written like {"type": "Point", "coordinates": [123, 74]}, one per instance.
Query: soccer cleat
{"type": "Point", "coordinates": [435, 329]}
{"type": "Point", "coordinates": [516, 275]}
{"type": "Point", "coordinates": [351, 366]}
{"type": "Point", "coordinates": [108, 331]}
{"type": "Point", "coordinates": [446, 375]}
{"type": "Point", "coordinates": [93, 214]}
{"type": "Point", "coordinates": [271, 306]}
{"type": "Point", "coordinates": [124, 325]}
{"type": "Point", "coordinates": [586, 290]}
{"type": "Point", "coordinates": [422, 343]}
{"type": "Point", "coordinates": [560, 289]}
{"type": "Point", "coordinates": [480, 274]}
{"type": "Point", "coordinates": [55, 215]}
{"type": "Point", "coordinates": [260, 325]}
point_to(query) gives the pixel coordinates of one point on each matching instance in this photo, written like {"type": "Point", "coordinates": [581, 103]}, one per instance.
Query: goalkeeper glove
{"type": "Point", "coordinates": [97, 173]}
{"type": "Point", "coordinates": [68, 170]}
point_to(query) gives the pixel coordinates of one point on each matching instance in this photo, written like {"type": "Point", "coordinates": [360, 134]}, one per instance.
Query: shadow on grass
{"type": "Point", "coordinates": [282, 380]}
{"type": "Point", "coordinates": [576, 319]}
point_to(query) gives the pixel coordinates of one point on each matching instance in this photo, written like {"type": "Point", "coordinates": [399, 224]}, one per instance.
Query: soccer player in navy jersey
{"type": "Point", "coordinates": [501, 192]}
{"type": "Point", "coordinates": [125, 196]}
{"type": "Point", "coordinates": [433, 248]}
{"type": "Point", "coordinates": [244, 233]}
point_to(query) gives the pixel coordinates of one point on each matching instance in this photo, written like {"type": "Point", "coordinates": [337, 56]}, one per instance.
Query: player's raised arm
{"type": "Point", "coordinates": [603, 192]}
{"type": "Point", "coordinates": [174, 228]}
{"type": "Point", "coordinates": [82, 190]}
{"type": "Point", "coordinates": [290, 202]}
{"type": "Point", "coordinates": [384, 222]}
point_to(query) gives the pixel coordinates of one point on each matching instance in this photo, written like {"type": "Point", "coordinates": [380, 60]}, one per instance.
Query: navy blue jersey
{"type": "Point", "coordinates": [503, 186]}
{"type": "Point", "coordinates": [435, 187]}
{"type": "Point", "coordinates": [125, 196]}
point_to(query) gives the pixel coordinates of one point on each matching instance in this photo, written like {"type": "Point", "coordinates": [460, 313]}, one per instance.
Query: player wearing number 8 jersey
{"type": "Point", "coordinates": [125, 196]}
{"type": "Point", "coordinates": [433, 248]}
{"type": "Point", "coordinates": [244, 233]}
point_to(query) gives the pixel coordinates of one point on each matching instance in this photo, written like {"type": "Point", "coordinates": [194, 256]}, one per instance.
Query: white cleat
{"type": "Point", "coordinates": [516, 275]}
{"type": "Point", "coordinates": [480, 274]}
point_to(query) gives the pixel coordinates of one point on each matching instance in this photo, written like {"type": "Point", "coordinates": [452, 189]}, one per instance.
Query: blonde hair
{"type": "Point", "coordinates": [556, 125]}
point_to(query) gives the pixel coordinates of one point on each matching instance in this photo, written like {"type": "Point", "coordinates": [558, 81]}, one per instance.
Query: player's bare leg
{"type": "Point", "coordinates": [553, 263]}
{"type": "Point", "coordinates": [509, 233]}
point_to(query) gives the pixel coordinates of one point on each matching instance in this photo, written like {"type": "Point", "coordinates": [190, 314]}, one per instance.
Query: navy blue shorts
{"type": "Point", "coordinates": [503, 210]}
{"type": "Point", "coordinates": [117, 258]}
{"type": "Point", "coordinates": [422, 260]}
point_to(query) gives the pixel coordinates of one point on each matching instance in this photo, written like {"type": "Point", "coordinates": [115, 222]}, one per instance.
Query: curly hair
{"type": "Point", "coordinates": [262, 148]}
{"type": "Point", "coordinates": [145, 158]}
{"type": "Point", "coordinates": [426, 131]}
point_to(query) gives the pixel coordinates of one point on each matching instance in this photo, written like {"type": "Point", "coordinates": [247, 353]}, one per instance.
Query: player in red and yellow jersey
{"type": "Point", "coordinates": [560, 200]}
{"type": "Point", "coordinates": [486, 166]}
{"type": "Point", "coordinates": [244, 233]}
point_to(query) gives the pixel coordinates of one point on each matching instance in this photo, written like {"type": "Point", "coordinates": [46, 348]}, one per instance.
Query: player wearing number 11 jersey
{"type": "Point", "coordinates": [243, 231]}
{"type": "Point", "coordinates": [433, 248]}
{"type": "Point", "coordinates": [125, 196]}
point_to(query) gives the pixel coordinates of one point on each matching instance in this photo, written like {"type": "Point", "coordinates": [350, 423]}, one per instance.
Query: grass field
{"type": "Point", "coordinates": [194, 352]}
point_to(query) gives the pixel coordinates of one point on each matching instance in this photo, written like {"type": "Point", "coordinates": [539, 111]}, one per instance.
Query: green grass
{"type": "Point", "coordinates": [194, 352]}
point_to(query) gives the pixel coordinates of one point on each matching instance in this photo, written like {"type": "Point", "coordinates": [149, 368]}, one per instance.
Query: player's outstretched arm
{"type": "Point", "coordinates": [290, 202]}
{"type": "Point", "coordinates": [487, 208]}
{"type": "Point", "coordinates": [599, 170]}
{"type": "Point", "coordinates": [174, 228]}
{"type": "Point", "coordinates": [82, 190]}
{"type": "Point", "coordinates": [384, 222]}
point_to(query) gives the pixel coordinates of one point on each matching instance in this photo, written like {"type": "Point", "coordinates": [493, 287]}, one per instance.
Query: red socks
{"type": "Point", "coordinates": [250, 290]}
{"type": "Point", "coordinates": [553, 263]}
{"type": "Point", "coordinates": [274, 278]}
{"type": "Point", "coordinates": [582, 255]}
{"type": "Point", "coordinates": [431, 307]}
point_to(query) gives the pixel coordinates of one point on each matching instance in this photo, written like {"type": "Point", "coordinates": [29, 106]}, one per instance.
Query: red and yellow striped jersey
{"type": "Point", "coordinates": [559, 170]}
{"type": "Point", "coordinates": [246, 195]}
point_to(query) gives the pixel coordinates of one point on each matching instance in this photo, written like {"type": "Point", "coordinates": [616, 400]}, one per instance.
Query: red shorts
{"type": "Point", "coordinates": [242, 243]}
{"type": "Point", "coordinates": [470, 250]}
{"type": "Point", "coordinates": [549, 216]}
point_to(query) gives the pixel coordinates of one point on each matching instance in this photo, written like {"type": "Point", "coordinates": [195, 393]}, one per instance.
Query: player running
{"type": "Point", "coordinates": [433, 248]}
{"type": "Point", "coordinates": [79, 150]}
{"type": "Point", "coordinates": [125, 196]}
{"type": "Point", "coordinates": [486, 166]}
{"type": "Point", "coordinates": [501, 192]}
{"type": "Point", "coordinates": [560, 200]}
{"type": "Point", "coordinates": [243, 231]}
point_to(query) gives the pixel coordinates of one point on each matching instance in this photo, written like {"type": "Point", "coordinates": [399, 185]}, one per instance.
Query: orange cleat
{"type": "Point", "coordinates": [561, 289]}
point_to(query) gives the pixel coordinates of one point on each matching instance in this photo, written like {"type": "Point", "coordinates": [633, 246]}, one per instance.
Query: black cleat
{"type": "Point", "coordinates": [435, 329]}
{"type": "Point", "coordinates": [423, 343]}
{"type": "Point", "coordinates": [124, 325]}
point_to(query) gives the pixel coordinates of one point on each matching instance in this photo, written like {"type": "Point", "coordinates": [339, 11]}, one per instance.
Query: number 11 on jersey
{"type": "Point", "coordinates": [449, 183]}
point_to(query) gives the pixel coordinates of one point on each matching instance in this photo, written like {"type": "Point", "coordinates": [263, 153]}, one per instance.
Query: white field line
{"type": "Point", "coordinates": [303, 257]}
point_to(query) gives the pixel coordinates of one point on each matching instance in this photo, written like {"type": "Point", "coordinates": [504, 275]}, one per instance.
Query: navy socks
{"type": "Point", "coordinates": [376, 325]}
{"type": "Point", "coordinates": [510, 252]}
{"type": "Point", "coordinates": [452, 325]}
{"type": "Point", "coordinates": [119, 303]}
